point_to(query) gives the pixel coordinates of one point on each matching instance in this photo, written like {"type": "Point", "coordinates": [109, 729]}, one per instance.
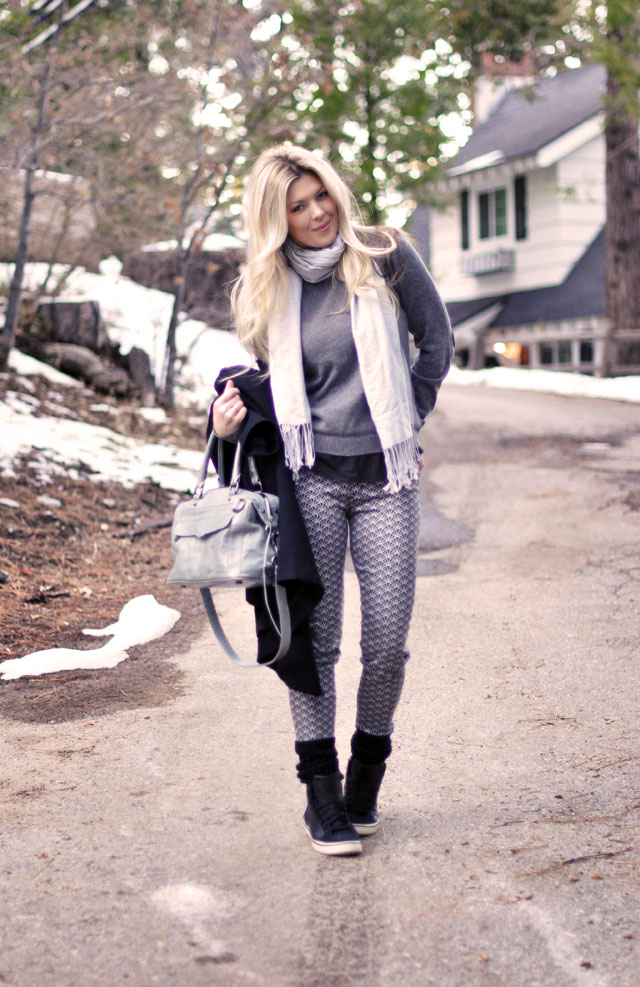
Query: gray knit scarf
{"type": "Point", "coordinates": [383, 368]}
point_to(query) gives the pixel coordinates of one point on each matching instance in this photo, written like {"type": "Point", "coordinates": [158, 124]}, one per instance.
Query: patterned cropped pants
{"type": "Point", "coordinates": [383, 533]}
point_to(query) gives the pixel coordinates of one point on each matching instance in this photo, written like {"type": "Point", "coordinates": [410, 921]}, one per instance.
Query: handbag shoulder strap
{"type": "Point", "coordinates": [223, 640]}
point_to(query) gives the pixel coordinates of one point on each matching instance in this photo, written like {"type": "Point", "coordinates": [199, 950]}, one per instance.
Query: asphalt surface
{"type": "Point", "coordinates": [165, 845]}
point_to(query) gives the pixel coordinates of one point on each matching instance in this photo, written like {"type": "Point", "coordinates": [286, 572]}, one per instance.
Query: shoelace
{"type": "Point", "coordinates": [333, 815]}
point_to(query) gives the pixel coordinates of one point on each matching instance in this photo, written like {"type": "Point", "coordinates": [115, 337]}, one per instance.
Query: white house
{"type": "Point", "coordinates": [518, 252]}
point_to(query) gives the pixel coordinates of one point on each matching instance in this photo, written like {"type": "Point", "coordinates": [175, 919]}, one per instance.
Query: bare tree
{"type": "Point", "coordinates": [79, 105]}
{"type": "Point", "coordinates": [240, 76]}
{"type": "Point", "coordinates": [31, 166]}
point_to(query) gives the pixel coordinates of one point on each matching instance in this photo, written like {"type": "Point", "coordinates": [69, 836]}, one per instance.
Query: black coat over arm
{"type": "Point", "coordinates": [260, 437]}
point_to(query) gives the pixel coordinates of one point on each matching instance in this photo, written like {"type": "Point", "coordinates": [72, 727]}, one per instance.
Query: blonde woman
{"type": "Point", "coordinates": [326, 306]}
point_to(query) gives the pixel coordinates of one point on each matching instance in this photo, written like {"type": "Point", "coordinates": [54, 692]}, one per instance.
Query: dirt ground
{"type": "Point", "coordinates": [74, 552]}
{"type": "Point", "coordinates": [164, 844]}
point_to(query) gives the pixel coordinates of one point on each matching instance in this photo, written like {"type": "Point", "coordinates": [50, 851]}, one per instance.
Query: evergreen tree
{"type": "Point", "coordinates": [382, 86]}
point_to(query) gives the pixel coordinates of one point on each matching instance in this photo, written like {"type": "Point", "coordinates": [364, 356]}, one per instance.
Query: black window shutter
{"type": "Point", "coordinates": [464, 218]}
{"type": "Point", "coordinates": [520, 196]}
{"type": "Point", "coordinates": [484, 216]}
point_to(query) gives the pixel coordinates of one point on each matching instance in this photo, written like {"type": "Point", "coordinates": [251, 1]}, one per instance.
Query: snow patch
{"type": "Point", "coordinates": [77, 448]}
{"type": "Point", "coordinates": [8, 502]}
{"type": "Point", "coordinates": [49, 501]}
{"type": "Point", "coordinates": [214, 242]}
{"type": "Point", "coordinates": [550, 382]}
{"type": "Point", "coordinates": [200, 909]}
{"type": "Point", "coordinates": [141, 620]}
{"type": "Point", "coordinates": [157, 415]}
{"type": "Point", "coordinates": [28, 366]}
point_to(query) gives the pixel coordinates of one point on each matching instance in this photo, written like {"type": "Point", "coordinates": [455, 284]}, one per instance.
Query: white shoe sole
{"type": "Point", "coordinates": [349, 848]}
{"type": "Point", "coordinates": [366, 829]}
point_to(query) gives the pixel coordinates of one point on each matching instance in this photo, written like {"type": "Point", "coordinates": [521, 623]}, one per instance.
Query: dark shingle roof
{"type": "Point", "coordinates": [461, 311]}
{"type": "Point", "coordinates": [519, 126]}
{"type": "Point", "coordinates": [581, 294]}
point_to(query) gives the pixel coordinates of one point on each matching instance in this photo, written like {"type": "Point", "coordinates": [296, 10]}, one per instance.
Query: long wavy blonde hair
{"type": "Point", "coordinates": [263, 287]}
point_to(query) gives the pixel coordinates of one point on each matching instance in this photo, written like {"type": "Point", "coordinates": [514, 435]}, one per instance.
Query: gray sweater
{"type": "Point", "coordinates": [342, 423]}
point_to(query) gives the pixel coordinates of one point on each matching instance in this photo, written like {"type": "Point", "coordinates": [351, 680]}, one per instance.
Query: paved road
{"type": "Point", "coordinates": [164, 845]}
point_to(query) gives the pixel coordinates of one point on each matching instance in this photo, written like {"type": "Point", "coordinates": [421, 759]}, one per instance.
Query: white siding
{"type": "Point", "coordinates": [582, 195]}
{"type": "Point", "coordinates": [565, 210]}
{"type": "Point", "coordinates": [446, 252]}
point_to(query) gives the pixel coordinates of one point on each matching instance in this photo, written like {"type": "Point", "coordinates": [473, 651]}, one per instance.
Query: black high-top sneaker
{"type": "Point", "coordinates": [361, 795]}
{"type": "Point", "coordinates": [326, 819]}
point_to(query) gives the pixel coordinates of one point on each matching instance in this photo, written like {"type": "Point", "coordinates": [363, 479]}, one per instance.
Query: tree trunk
{"type": "Point", "coordinates": [15, 289]}
{"type": "Point", "coordinates": [622, 241]}
{"type": "Point", "coordinates": [167, 384]}
{"type": "Point", "coordinates": [369, 162]}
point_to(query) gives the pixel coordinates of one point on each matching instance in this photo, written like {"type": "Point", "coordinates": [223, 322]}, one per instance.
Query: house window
{"type": "Point", "coordinates": [492, 213]}
{"type": "Point", "coordinates": [464, 218]}
{"type": "Point", "coordinates": [564, 351]}
{"type": "Point", "coordinates": [546, 354]}
{"type": "Point", "coordinates": [520, 206]}
{"type": "Point", "coordinates": [586, 352]}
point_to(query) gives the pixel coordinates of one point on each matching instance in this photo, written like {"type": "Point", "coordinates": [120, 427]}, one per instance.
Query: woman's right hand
{"type": "Point", "coordinates": [228, 411]}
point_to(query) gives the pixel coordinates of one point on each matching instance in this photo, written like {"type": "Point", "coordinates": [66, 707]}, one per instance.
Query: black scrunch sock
{"type": "Point", "coordinates": [317, 757]}
{"type": "Point", "coordinates": [369, 748]}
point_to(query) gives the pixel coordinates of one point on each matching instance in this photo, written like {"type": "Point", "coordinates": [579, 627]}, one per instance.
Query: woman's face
{"type": "Point", "coordinates": [312, 215]}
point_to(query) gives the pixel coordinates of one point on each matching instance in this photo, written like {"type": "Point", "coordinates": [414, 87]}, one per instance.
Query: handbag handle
{"type": "Point", "coordinates": [235, 471]}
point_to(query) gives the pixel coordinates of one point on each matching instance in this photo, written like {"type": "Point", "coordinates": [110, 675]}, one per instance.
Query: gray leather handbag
{"type": "Point", "coordinates": [228, 536]}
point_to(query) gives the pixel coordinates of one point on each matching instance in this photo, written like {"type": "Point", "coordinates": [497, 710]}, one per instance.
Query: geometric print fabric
{"type": "Point", "coordinates": [382, 529]}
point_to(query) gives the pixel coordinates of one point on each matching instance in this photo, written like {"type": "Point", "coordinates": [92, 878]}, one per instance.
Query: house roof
{"type": "Point", "coordinates": [521, 123]}
{"type": "Point", "coordinates": [581, 294]}
{"type": "Point", "coordinates": [459, 312]}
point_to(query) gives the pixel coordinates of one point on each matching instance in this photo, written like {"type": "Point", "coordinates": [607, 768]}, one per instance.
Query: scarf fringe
{"type": "Point", "coordinates": [401, 462]}
{"type": "Point", "coordinates": [298, 444]}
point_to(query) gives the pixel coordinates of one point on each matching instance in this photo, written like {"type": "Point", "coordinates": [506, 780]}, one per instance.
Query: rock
{"type": "Point", "coordinates": [75, 360]}
{"type": "Point", "coordinates": [84, 363]}
{"type": "Point", "coordinates": [3, 578]}
{"type": "Point", "coordinates": [209, 279]}
{"type": "Point", "coordinates": [75, 322]}
{"type": "Point", "coordinates": [139, 367]}
{"type": "Point", "coordinates": [111, 380]}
